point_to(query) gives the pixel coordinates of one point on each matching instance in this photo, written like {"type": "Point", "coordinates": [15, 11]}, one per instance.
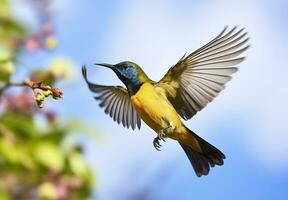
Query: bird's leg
{"type": "Point", "coordinates": [163, 133]}
{"type": "Point", "coordinates": [166, 131]}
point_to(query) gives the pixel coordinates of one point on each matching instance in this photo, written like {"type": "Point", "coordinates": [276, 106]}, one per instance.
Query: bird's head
{"type": "Point", "coordinates": [129, 73]}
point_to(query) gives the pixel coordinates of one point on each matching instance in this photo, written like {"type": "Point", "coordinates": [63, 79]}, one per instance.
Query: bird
{"type": "Point", "coordinates": [188, 86]}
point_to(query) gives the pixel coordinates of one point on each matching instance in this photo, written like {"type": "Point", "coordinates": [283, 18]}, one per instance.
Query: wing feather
{"type": "Point", "coordinates": [120, 113]}
{"type": "Point", "coordinates": [116, 102]}
{"type": "Point", "coordinates": [199, 77]}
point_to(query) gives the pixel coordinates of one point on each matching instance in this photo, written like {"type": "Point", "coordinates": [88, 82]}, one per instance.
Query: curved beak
{"type": "Point", "coordinates": [106, 65]}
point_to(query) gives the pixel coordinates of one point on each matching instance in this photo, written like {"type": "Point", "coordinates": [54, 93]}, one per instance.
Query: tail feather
{"type": "Point", "coordinates": [208, 157]}
{"type": "Point", "coordinates": [198, 162]}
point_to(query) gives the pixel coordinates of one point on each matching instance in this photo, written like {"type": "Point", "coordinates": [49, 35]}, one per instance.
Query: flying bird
{"type": "Point", "coordinates": [187, 87]}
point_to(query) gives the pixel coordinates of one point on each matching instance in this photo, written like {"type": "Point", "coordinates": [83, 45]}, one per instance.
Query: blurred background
{"type": "Point", "coordinates": [69, 149]}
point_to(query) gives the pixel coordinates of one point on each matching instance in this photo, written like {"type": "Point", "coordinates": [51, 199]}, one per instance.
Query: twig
{"type": "Point", "coordinates": [11, 84]}
{"type": "Point", "coordinates": [40, 91]}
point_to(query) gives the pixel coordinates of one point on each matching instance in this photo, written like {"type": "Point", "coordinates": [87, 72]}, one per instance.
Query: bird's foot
{"type": "Point", "coordinates": [163, 133]}
{"type": "Point", "coordinates": [156, 143]}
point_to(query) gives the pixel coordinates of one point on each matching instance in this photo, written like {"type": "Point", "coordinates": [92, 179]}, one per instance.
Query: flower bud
{"type": "Point", "coordinates": [56, 93]}
{"type": "Point", "coordinates": [47, 92]}
{"type": "Point", "coordinates": [39, 97]}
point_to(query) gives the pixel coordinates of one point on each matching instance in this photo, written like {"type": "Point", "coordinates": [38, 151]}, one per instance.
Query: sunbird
{"type": "Point", "coordinates": [185, 89]}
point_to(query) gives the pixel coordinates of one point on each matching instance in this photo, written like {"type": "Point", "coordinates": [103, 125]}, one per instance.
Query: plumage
{"type": "Point", "coordinates": [203, 74]}
{"type": "Point", "coordinates": [110, 98]}
{"type": "Point", "coordinates": [187, 87]}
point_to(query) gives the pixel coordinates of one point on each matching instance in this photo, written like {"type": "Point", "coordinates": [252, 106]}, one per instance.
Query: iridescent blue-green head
{"type": "Point", "coordinates": [130, 74]}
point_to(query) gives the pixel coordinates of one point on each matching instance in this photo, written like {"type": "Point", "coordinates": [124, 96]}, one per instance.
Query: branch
{"type": "Point", "coordinates": [40, 91]}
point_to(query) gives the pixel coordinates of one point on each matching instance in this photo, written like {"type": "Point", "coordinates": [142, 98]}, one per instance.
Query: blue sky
{"type": "Point", "coordinates": [247, 121]}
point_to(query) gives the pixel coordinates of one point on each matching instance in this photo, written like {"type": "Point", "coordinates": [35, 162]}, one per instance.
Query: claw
{"type": "Point", "coordinates": [163, 133]}
{"type": "Point", "coordinates": [156, 143]}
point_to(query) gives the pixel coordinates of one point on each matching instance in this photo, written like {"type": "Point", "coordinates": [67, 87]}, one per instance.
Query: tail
{"type": "Point", "coordinates": [208, 157]}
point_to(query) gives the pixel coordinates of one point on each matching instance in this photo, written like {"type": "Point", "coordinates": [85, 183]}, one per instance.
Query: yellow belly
{"type": "Point", "coordinates": [153, 107]}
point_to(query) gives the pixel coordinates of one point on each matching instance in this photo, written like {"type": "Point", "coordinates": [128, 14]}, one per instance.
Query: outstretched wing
{"type": "Point", "coordinates": [116, 101]}
{"type": "Point", "coordinates": [199, 77]}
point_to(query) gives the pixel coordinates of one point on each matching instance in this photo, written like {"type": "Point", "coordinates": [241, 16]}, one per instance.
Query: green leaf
{"type": "Point", "coordinates": [4, 194]}
{"type": "Point", "coordinates": [22, 126]}
{"type": "Point", "coordinates": [79, 167]}
{"type": "Point", "coordinates": [6, 65]}
{"type": "Point", "coordinates": [4, 8]}
{"type": "Point", "coordinates": [9, 152]}
{"type": "Point", "coordinates": [47, 191]}
{"type": "Point", "coordinates": [49, 155]}
{"type": "Point", "coordinates": [5, 54]}
{"type": "Point", "coordinates": [43, 75]}
{"type": "Point", "coordinates": [10, 27]}
{"type": "Point", "coordinates": [77, 164]}
{"type": "Point", "coordinates": [26, 158]}
{"type": "Point", "coordinates": [6, 70]}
